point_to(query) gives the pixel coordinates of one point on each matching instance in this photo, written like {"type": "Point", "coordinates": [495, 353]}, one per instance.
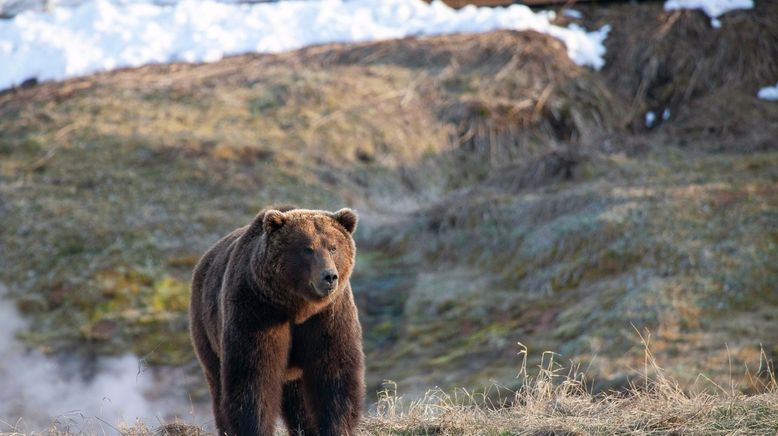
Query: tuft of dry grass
{"type": "Point", "coordinates": [661, 410]}
{"type": "Point", "coordinates": [558, 401]}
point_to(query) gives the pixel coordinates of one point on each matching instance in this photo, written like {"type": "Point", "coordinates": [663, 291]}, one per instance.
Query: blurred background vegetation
{"type": "Point", "coordinates": [506, 195]}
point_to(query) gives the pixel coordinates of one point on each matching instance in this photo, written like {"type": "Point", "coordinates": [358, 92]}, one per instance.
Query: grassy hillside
{"type": "Point", "coordinates": [507, 195]}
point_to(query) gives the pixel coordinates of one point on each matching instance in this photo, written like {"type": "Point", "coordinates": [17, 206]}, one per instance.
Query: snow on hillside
{"type": "Point", "coordinates": [101, 35]}
{"type": "Point", "coordinates": [769, 93]}
{"type": "Point", "coordinates": [713, 8]}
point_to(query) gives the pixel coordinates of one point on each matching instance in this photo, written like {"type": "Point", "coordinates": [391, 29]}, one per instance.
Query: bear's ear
{"type": "Point", "coordinates": [273, 220]}
{"type": "Point", "coordinates": [347, 218]}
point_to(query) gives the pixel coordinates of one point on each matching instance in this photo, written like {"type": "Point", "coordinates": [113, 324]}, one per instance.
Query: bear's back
{"type": "Point", "coordinates": [207, 283]}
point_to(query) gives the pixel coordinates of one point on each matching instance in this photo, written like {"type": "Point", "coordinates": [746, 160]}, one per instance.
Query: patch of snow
{"type": "Point", "coordinates": [713, 8]}
{"type": "Point", "coordinates": [101, 35]}
{"type": "Point", "coordinates": [769, 93]}
{"type": "Point", "coordinates": [572, 13]}
{"type": "Point", "coordinates": [590, 50]}
{"type": "Point", "coordinates": [650, 119]}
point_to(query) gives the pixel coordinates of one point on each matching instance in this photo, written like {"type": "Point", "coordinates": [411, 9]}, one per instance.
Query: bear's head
{"type": "Point", "coordinates": [310, 252]}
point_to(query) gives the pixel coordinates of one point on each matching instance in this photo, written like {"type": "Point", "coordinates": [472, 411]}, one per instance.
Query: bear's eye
{"type": "Point", "coordinates": [308, 250]}
{"type": "Point", "coordinates": [333, 249]}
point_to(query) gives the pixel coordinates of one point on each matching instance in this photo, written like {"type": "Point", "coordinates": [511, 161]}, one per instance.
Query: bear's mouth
{"type": "Point", "coordinates": [322, 291]}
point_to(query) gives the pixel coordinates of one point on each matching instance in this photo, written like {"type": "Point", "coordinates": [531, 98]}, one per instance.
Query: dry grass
{"type": "Point", "coordinates": [659, 59]}
{"type": "Point", "coordinates": [557, 401]}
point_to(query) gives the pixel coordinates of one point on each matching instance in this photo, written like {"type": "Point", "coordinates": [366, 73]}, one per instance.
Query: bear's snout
{"type": "Point", "coordinates": [329, 278]}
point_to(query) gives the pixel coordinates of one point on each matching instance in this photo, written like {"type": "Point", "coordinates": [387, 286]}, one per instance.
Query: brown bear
{"type": "Point", "coordinates": [274, 324]}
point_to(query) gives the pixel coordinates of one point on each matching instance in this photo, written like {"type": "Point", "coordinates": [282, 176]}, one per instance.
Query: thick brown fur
{"type": "Point", "coordinates": [274, 324]}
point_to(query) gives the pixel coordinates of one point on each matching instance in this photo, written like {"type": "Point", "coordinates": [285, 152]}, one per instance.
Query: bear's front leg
{"type": "Point", "coordinates": [333, 368]}
{"type": "Point", "coordinates": [336, 396]}
{"type": "Point", "coordinates": [254, 360]}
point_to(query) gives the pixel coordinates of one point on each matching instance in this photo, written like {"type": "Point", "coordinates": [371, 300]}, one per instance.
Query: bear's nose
{"type": "Point", "coordinates": [329, 276]}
